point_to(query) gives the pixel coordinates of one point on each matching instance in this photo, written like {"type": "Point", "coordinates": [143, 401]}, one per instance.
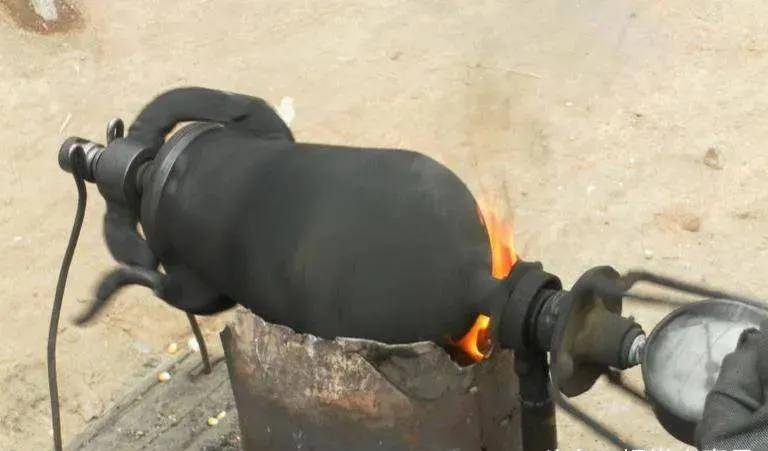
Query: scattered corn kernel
{"type": "Point", "coordinates": [193, 345]}
{"type": "Point", "coordinates": [164, 376]}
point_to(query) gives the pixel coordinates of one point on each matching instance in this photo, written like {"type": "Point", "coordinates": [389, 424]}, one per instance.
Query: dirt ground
{"type": "Point", "coordinates": [587, 122]}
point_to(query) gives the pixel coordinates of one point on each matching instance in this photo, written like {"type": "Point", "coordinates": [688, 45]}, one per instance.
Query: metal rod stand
{"type": "Point", "coordinates": [200, 342]}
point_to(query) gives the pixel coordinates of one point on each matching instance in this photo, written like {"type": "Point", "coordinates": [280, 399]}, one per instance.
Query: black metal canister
{"type": "Point", "coordinates": [329, 240]}
{"type": "Point", "coordinates": [381, 244]}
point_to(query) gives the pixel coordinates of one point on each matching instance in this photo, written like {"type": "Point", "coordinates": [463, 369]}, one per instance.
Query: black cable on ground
{"type": "Point", "coordinates": [82, 196]}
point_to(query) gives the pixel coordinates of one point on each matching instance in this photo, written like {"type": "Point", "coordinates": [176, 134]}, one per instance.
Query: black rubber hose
{"type": "Point", "coordinates": [252, 114]}
{"type": "Point", "coordinates": [117, 279]}
{"type": "Point", "coordinates": [82, 197]}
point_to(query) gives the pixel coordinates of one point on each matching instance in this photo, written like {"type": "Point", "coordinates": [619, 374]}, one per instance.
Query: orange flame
{"type": "Point", "coordinates": [503, 255]}
{"type": "Point", "coordinates": [476, 342]}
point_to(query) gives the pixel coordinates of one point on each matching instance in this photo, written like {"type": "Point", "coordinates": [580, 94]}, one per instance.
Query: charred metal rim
{"type": "Point", "coordinates": [166, 158]}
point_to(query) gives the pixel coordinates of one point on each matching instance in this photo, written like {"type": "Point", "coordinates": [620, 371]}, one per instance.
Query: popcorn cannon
{"type": "Point", "coordinates": [379, 244]}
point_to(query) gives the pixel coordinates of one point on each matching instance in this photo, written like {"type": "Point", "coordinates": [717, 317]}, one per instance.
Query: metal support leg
{"type": "Point", "coordinates": [200, 342]}
{"type": "Point", "coordinates": [537, 422]}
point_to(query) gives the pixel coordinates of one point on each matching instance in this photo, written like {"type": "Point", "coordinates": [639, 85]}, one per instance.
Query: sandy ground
{"type": "Point", "coordinates": [589, 121]}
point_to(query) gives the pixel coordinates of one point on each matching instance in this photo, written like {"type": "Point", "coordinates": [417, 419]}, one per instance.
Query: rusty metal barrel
{"type": "Point", "coordinates": [298, 391]}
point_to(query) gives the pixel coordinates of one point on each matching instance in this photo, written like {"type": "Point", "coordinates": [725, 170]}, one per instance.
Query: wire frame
{"type": "Point", "coordinates": [621, 288]}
